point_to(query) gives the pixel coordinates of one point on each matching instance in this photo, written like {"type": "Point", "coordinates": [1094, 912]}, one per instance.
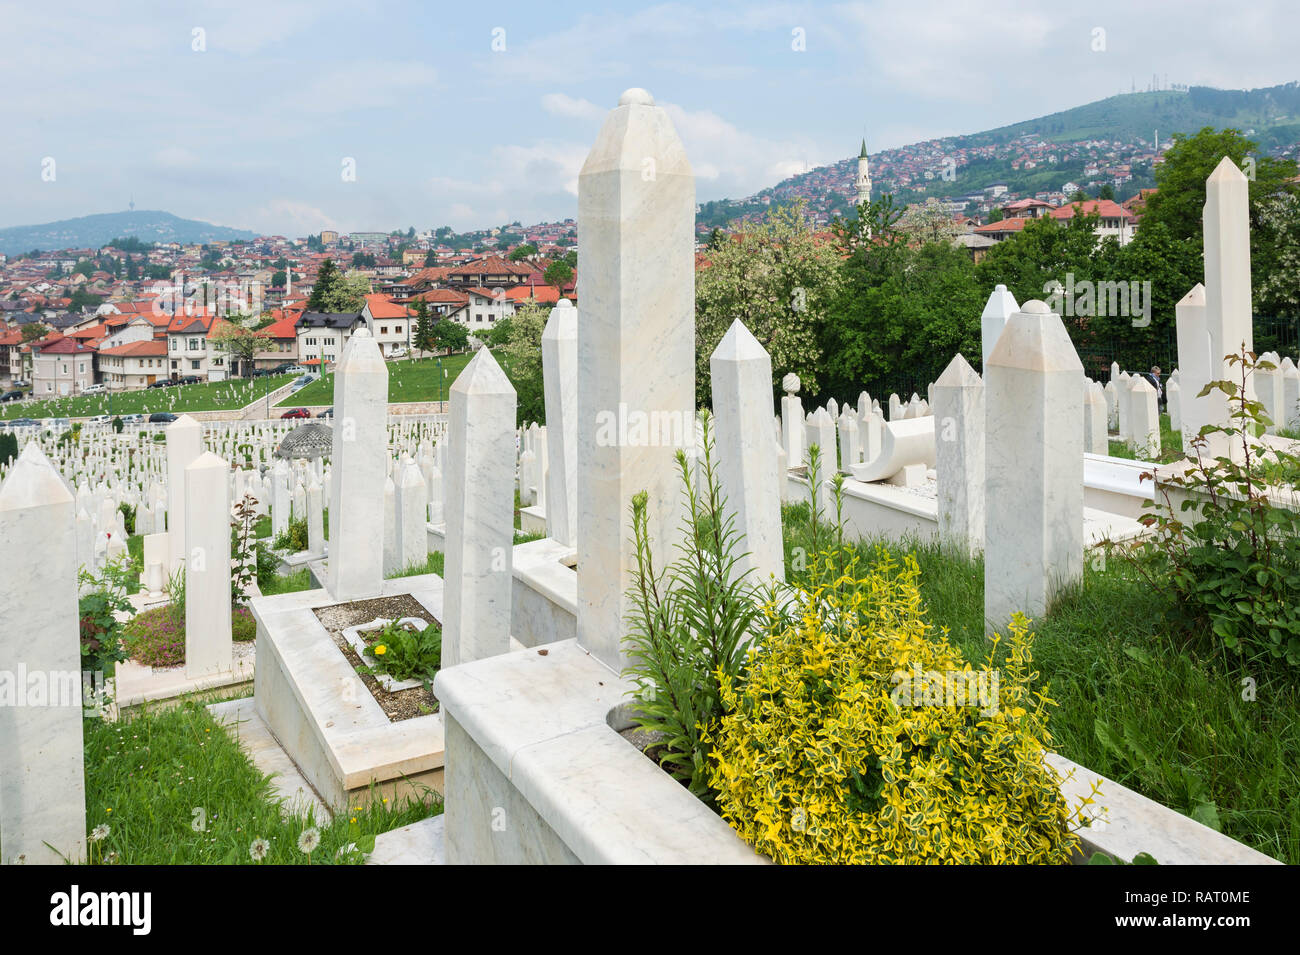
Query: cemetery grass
{"type": "Point", "coordinates": [1156, 712]}
{"type": "Point", "coordinates": [205, 396]}
{"type": "Point", "coordinates": [1171, 445]}
{"type": "Point", "coordinates": [408, 380]}
{"type": "Point", "coordinates": [154, 778]}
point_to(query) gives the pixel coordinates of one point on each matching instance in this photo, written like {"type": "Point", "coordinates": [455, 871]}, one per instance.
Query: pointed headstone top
{"type": "Point", "coordinates": [958, 374]}
{"type": "Point", "coordinates": [1195, 295]}
{"type": "Point", "coordinates": [482, 376]}
{"type": "Point", "coordinates": [1226, 171]}
{"type": "Point", "coordinates": [1001, 303]}
{"type": "Point", "coordinates": [32, 482]}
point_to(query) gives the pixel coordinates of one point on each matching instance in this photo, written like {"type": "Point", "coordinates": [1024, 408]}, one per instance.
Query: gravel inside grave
{"type": "Point", "coordinates": [404, 704]}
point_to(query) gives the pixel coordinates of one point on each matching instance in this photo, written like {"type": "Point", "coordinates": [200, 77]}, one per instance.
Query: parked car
{"type": "Point", "coordinates": [160, 383]}
{"type": "Point", "coordinates": [303, 382]}
{"type": "Point", "coordinates": [162, 417]}
{"type": "Point", "coordinates": [101, 419]}
{"type": "Point", "coordinates": [296, 413]}
{"type": "Point", "coordinates": [295, 370]}
{"type": "Point", "coordinates": [23, 423]}
{"type": "Point", "coordinates": [11, 395]}
{"type": "Point", "coordinates": [95, 389]}
{"type": "Point", "coordinates": [327, 413]}
{"type": "Point", "coordinates": [133, 419]}
{"type": "Point", "coordinates": [398, 352]}
{"type": "Point", "coordinates": [190, 380]}
{"type": "Point", "coordinates": [259, 373]}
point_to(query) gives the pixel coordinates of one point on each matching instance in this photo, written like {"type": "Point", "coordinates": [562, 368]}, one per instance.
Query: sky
{"type": "Point", "coordinates": [249, 114]}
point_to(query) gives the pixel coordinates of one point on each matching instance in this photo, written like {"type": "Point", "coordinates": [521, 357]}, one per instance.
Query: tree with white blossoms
{"type": "Point", "coordinates": [928, 222]}
{"type": "Point", "coordinates": [1277, 255]}
{"type": "Point", "coordinates": [776, 276]}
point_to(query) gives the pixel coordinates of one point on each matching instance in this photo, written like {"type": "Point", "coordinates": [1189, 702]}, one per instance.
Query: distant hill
{"type": "Point", "coordinates": [1132, 116]}
{"type": "Point", "coordinates": [1271, 117]}
{"type": "Point", "coordinates": [93, 231]}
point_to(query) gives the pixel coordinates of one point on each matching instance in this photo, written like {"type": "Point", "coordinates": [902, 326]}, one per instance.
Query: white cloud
{"type": "Point", "coordinates": [558, 104]}
{"type": "Point", "coordinates": [290, 217]}
{"type": "Point", "coordinates": [734, 162]}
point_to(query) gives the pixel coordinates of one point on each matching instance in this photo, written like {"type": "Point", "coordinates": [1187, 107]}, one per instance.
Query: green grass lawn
{"type": "Point", "coordinates": [174, 788]}
{"type": "Point", "coordinates": [408, 380]}
{"type": "Point", "coordinates": [206, 396]}
{"type": "Point", "coordinates": [1171, 445]}
{"type": "Point", "coordinates": [1158, 714]}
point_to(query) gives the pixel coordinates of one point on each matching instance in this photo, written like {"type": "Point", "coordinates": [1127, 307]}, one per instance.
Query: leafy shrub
{"type": "Point", "coordinates": [128, 517]}
{"type": "Point", "coordinates": [833, 750]}
{"type": "Point", "coordinates": [689, 625]}
{"type": "Point", "coordinates": [406, 654]}
{"type": "Point", "coordinates": [105, 595]}
{"type": "Point", "coordinates": [118, 425]}
{"type": "Point", "coordinates": [1232, 569]}
{"type": "Point", "coordinates": [156, 637]}
{"type": "Point", "coordinates": [294, 538]}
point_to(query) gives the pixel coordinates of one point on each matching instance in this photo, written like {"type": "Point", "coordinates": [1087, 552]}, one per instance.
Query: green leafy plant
{"type": "Point", "coordinates": [294, 538]}
{"type": "Point", "coordinates": [1231, 566]}
{"type": "Point", "coordinates": [104, 596]}
{"type": "Point", "coordinates": [243, 569]}
{"type": "Point", "coordinates": [405, 654]}
{"type": "Point", "coordinates": [128, 516]}
{"type": "Point", "coordinates": [689, 625]}
{"type": "Point", "coordinates": [858, 734]}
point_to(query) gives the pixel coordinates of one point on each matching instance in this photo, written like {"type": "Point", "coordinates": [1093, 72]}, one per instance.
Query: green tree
{"type": "Point", "coordinates": [898, 316]}
{"type": "Point", "coordinates": [450, 335]}
{"type": "Point", "coordinates": [431, 259]}
{"type": "Point", "coordinates": [779, 279]}
{"type": "Point", "coordinates": [522, 252]}
{"type": "Point", "coordinates": [424, 338]}
{"type": "Point", "coordinates": [559, 273]}
{"type": "Point", "coordinates": [335, 292]}
{"type": "Point", "coordinates": [34, 331]}
{"type": "Point", "coordinates": [499, 333]}
{"type": "Point", "coordinates": [1180, 179]}
{"type": "Point", "coordinates": [521, 357]}
{"type": "Point", "coordinates": [1107, 192]}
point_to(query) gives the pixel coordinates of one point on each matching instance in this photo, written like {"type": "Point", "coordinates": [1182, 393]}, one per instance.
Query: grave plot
{"type": "Point", "coordinates": [1009, 470]}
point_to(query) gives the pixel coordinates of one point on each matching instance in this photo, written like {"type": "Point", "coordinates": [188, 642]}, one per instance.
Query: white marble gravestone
{"type": "Point", "coordinates": [480, 513]}
{"type": "Point", "coordinates": [357, 486]}
{"type": "Point", "coordinates": [1033, 539]}
{"type": "Point", "coordinates": [42, 780]}
{"type": "Point", "coordinates": [741, 374]}
{"type": "Point", "coordinates": [636, 225]}
{"type": "Point", "coordinates": [208, 647]}
{"type": "Point", "coordinates": [959, 455]}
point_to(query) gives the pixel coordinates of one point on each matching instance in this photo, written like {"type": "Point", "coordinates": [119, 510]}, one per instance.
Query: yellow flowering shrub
{"type": "Point", "coordinates": [854, 736]}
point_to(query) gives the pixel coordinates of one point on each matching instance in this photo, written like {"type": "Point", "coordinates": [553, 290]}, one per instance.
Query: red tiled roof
{"type": "Point", "coordinates": [1014, 224]}
{"type": "Point", "coordinates": [1106, 208]}
{"type": "Point", "coordinates": [149, 348]}
{"type": "Point", "coordinates": [381, 307]}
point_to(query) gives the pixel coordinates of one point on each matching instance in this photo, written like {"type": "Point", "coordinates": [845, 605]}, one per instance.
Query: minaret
{"type": "Point", "coordinates": [864, 179]}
